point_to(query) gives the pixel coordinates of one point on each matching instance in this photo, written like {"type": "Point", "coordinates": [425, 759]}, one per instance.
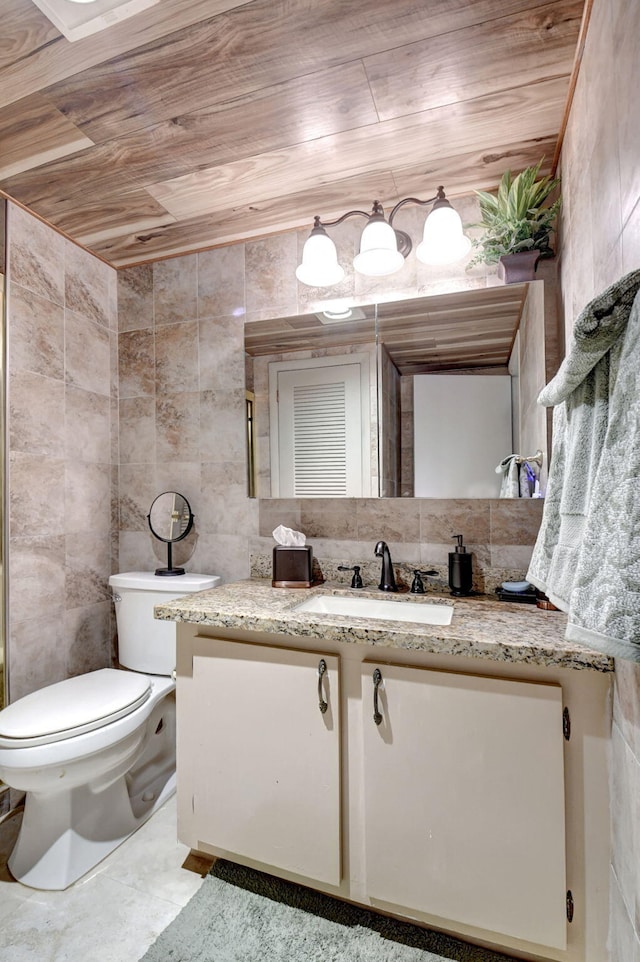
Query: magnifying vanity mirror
{"type": "Point", "coordinates": [448, 385]}
{"type": "Point", "coordinates": [170, 520]}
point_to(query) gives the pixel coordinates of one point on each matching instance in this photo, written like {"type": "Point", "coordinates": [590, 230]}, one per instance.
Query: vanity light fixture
{"type": "Point", "coordinates": [383, 248]}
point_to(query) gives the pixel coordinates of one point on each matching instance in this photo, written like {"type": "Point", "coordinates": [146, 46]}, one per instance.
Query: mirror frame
{"type": "Point", "coordinates": [170, 571]}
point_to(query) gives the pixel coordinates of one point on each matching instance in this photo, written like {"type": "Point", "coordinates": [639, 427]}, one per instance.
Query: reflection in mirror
{"type": "Point", "coordinates": [170, 520]}
{"type": "Point", "coordinates": [439, 360]}
{"type": "Point", "coordinates": [313, 378]}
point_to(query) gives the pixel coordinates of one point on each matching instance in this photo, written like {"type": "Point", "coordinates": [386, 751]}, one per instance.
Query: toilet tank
{"type": "Point", "coordinates": [145, 644]}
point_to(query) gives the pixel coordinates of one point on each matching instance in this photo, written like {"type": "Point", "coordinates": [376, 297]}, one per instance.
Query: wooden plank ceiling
{"type": "Point", "coordinates": [203, 122]}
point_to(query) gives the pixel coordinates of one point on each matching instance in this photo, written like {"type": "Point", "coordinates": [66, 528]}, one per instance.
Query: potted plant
{"type": "Point", "coordinates": [516, 224]}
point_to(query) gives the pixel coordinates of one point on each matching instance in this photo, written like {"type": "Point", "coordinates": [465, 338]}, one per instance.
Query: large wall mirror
{"type": "Point", "coordinates": [422, 397]}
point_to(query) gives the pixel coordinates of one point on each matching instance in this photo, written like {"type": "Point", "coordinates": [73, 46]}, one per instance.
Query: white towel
{"type": "Point", "coordinates": [510, 486]}
{"type": "Point", "coordinates": [587, 555]}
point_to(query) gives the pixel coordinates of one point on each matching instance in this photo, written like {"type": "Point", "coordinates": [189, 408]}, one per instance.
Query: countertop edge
{"type": "Point", "coordinates": [481, 628]}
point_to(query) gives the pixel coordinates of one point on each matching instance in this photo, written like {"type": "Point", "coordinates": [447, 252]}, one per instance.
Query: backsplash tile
{"type": "Point", "coordinates": [515, 521]}
{"type": "Point", "coordinates": [441, 519]}
{"type": "Point", "coordinates": [419, 533]}
{"type": "Point", "coordinates": [388, 520]}
{"type": "Point", "coordinates": [339, 521]}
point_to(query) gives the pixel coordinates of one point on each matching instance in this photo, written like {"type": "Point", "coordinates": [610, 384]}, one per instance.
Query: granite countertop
{"type": "Point", "coordinates": [481, 627]}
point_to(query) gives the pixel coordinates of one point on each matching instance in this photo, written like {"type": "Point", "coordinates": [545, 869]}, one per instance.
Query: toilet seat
{"type": "Point", "coordinates": [72, 707]}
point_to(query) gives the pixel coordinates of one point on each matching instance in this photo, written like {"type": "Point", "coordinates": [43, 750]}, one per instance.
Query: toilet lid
{"type": "Point", "coordinates": [74, 706]}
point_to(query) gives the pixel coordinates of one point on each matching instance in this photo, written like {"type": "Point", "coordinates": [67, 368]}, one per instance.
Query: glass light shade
{"type": "Point", "coordinates": [379, 254]}
{"type": "Point", "coordinates": [319, 267]}
{"type": "Point", "coordinates": [443, 241]}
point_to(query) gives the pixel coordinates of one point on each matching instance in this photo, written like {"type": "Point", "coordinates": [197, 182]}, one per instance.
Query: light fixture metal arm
{"type": "Point", "coordinates": [416, 200]}
{"type": "Point", "coordinates": [318, 222]}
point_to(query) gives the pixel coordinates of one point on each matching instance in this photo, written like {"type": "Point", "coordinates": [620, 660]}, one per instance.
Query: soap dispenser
{"type": "Point", "coordinates": [460, 574]}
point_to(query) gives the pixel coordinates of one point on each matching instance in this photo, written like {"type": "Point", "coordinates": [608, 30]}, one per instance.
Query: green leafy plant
{"type": "Point", "coordinates": [515, 219]}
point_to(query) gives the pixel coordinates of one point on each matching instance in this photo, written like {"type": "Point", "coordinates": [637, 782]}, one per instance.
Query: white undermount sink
{"type": "Point", "coordinates": [376, 608]}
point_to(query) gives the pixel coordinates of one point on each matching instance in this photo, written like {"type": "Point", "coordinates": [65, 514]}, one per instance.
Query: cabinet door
{"type": "Point", "coordinates": [267, 785]}
{"type": "Point", "coordinates": [464, 800]}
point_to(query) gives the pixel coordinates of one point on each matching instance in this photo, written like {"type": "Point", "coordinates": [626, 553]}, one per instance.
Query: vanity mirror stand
{"type": "Point", "coordinates": [170, 520]}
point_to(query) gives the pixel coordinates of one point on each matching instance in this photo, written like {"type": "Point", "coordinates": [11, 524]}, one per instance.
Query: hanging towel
{"type": "Point", "coordinates": [508, 467]}
{"type": "Point", "coordinates": [587, 555]}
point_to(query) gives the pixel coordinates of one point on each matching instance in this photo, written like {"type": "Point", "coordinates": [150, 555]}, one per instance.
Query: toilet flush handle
{"type": "Point", "coordinates": [174, 674]}
{"type": "Point", "coordinates": [117, 597]}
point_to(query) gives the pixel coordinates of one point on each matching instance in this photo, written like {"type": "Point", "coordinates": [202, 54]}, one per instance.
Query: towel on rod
{"type": "Point", "coordinates": [519, 477]}
{"type": "Point", "coordinates": [587, 555]}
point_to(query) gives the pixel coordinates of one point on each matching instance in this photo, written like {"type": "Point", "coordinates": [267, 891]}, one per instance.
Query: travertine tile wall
{"type": "Point", "coordinates": [62, 442]}
{"type": "Point", "coordinates": [499, 533]}
{"type": "Point", "coordinates": [601, 242]}
{"type": "Point", "coordinates": [419, 531]}
{"type": "Point", "coordinates": [182, 386]}
{"type": "Point", "coordinates": [182, 427]}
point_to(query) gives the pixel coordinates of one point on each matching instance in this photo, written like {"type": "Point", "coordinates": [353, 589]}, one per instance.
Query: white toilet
{"type": "Point", "coordinates": [96, 753]}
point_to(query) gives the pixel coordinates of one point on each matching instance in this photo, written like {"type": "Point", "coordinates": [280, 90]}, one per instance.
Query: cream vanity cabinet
{"type": "Point", "coordinates": [266, 781]}
{"type": "Point", "coordinates": [464, 799]}
{"type": "Point", "coordinates": [449, 807]}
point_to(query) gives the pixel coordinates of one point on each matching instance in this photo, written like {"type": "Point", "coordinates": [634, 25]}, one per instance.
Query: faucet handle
{"type": "Point", "coordinates": [356, 581]}
{"type": "Point", "coordinates": [417, 585]}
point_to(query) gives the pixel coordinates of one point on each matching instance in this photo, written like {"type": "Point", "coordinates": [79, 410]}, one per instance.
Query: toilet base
{"type": "Point", "coordinates": [65, 833]}
{"type": "Point", "coordinates": [62, 838]}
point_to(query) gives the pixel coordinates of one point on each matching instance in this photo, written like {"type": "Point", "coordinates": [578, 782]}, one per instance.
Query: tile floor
{"type": "Point", "coordinates": [112, 914]}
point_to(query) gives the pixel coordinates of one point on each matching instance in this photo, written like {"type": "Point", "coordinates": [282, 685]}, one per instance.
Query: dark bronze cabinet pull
{"type": "Point", "coordinates": [322, 670]}
{"type": "Point", "coordinates": [377, 681]}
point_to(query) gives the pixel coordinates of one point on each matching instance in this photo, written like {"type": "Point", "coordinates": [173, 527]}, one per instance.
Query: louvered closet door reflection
{"type": "Point", "coordinates": [320, 427]}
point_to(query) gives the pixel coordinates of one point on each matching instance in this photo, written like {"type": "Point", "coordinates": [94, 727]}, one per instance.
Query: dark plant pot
{"type": "Point", "coordinates": [516, 268]}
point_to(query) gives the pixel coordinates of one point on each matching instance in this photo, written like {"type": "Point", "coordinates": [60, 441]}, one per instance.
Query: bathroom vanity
{"type": "Point", "coordinates": [454, 774]}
